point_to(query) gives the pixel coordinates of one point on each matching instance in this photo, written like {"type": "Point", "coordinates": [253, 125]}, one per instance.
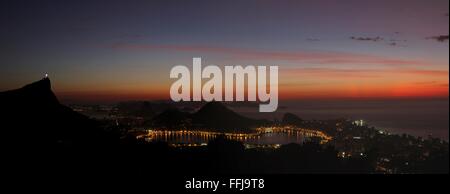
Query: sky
{"type": "Point", "coordinates": [124, 50]}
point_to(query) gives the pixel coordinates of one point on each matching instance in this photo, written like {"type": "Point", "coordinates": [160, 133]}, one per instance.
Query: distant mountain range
{"type": "Point", "coordinates": [216, 115]}
{"type": "Point", "coordinates": [33, 115]}
{"type": "Point", "coordinates": [213, 115]}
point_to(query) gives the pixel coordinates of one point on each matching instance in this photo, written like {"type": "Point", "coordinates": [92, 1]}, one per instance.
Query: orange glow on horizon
{"type": "Point", "coordinates": [285, 93]}
{"type": "Point", "coordinates": [312, 83]}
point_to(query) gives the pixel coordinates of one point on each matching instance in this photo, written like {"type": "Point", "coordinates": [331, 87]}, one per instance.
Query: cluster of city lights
{"type": "Point", "coordinates": [206, 135]}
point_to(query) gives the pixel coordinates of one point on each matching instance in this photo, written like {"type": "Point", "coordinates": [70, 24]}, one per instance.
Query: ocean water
{"type": "Point", "coordinates": [418, 117]}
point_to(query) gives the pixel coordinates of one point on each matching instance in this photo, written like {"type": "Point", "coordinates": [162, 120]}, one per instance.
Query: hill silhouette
{"type": "Point", "coordinates": [172, 118]}
{"type": "Point", "coordinates": [33, 115]}
{"type": "Point", "coordinates": [292, 119]}
{"type": "Point", "coordinates": [213, 115]}
{"type": "Point", "coordinates": [216, 115]}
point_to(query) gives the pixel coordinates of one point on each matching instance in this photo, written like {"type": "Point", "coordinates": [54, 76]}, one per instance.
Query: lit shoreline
{"type": "Point", "coordinates": [256, 133]}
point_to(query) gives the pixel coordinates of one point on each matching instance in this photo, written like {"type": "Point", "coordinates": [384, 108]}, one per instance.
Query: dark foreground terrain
{"type": "Point", "coordinates": [39, 133]}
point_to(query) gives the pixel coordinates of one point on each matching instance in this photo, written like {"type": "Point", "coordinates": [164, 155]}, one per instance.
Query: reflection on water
{"type": "Point", "coordinates": [419, 117]}
{"type": "Point", "coordinates": [260, 137]}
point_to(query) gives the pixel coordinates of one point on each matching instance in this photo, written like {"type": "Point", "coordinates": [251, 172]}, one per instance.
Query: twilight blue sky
{"type": "Point", "coordinates": [125, 49]}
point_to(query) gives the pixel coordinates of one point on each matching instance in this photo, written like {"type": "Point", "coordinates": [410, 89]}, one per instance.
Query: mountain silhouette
{"type": "Point", "coordinates": [33, 115]}
{"type": "Point", "coordinates": [216, 115]}
{"type": "Point", "coordinates": [172, 119]}
{"type": "Point", "coordinates": [292, 119]}
{"type": "Point", "coordinates": [213, 115]}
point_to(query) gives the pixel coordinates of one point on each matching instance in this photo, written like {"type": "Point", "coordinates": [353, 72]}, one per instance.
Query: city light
{"type": "Point", "coordinates": [204, 135]}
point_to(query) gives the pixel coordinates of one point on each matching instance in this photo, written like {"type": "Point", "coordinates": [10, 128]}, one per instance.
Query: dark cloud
{"type": "Point", "coordinates": [441, 38]}
{"type": "Point", "coordinates": [393, 44]}
{"type": "Point", "coordinates": [374, 39]}
{"type": "Point", "coordinates": [397, 42]}
{"type": "Point", "coordinates": [390, 42]}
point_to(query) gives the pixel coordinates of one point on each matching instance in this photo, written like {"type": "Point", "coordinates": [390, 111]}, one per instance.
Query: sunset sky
{"type": "Point", "coordinates": [117, 50]}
